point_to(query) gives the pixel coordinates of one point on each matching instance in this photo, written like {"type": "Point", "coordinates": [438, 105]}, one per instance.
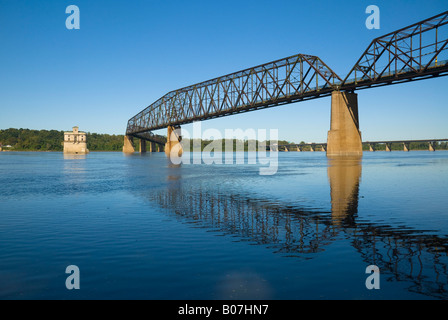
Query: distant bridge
{"type": "Point", "coordinates": [312, 146]}
{"type": "Point", "coordinates": [416, 52]}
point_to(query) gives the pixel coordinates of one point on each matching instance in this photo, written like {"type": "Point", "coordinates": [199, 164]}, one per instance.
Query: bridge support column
{"type": "Point", "coordinates": [371, 148]}
{"type": "Point", "coordinates": [312, 147]}
{"type": "Point", "coordinates": [142, 146]}
{"type": "Point", "coordinates": [432, 146]}
{"type": "Point", "coordinates": [154, 147]}
{"type": "Point", "coordinates": [344, 137]}
{"type": "Point", "coordinates": [323, 149]}
{"type": "Point", "coordinates": [128, 146]}
{"type": "Point", "coordinates": [299, 149]}
{"type": "Point", "coordinates": [388, 147]}
{"type": "Point", "coordinates": [405, 147]}
{"type": "Point", "coordinates": [173, 146]}
{"type": "Point", "coordinates": [286, 149]}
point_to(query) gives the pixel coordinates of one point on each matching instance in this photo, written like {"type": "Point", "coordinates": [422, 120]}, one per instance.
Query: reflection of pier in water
{"type": "Point", "coordinates": [408, 255]}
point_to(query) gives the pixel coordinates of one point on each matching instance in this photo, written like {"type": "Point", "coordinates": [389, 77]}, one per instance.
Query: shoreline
{"type": "Point", "coordinates": [55, 151]}
{"type": "Point", "coordinates": [293, 151]}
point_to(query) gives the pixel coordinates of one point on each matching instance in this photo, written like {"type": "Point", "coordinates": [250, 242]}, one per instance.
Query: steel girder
{"type": "Point", "coordinates": [287, 80]}
{"type": "Point", "coordinates": [411, 53]}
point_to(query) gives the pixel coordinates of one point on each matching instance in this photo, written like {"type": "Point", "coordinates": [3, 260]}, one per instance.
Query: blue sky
{"type": "Point", "coordinates": [127, 54]}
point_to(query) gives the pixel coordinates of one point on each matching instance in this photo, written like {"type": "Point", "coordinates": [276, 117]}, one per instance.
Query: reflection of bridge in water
{"type": "Point", "coordinates": [413, 256]}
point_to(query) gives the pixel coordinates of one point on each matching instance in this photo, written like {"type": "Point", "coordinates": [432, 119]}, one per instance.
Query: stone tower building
{"type": "Point", "coordinates": [75, 142]}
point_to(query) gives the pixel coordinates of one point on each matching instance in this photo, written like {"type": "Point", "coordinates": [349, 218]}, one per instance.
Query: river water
{"type": "Point", "coordinates": [139, 227]}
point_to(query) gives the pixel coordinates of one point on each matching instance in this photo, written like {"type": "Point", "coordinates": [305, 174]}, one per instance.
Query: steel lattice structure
{"type": "Point", "coordinates": [415, 52]}
{"type": "Point", "coordinates": [291, 79]}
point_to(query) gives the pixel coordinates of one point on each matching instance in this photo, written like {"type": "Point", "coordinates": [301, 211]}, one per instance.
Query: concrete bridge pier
{"type": "Point", "coordinates": [371, 147]}
{"type": "Point", "coordinates": [128, 146]}
{"type": "Point", "coordinates": [322, 148]}
{"type": "Point", "coordinates": [388, 147]}
{"type": "Point", "coordinates": [299, 149]}
{"type": "Point", "coordinates": [344, 137]}
{"type": "Point", "coordinates": [142, 146]}
{"type": "Point", "coordinates": [312, 147]}
{"type": "Point", "coordinates": [432, 146]}
{"type": "Point", "coordinates": [173, 148]}
{"type": "Point", "coordinates": [154, 147]}
{"type": "Point", "coordinates": [405, 147]}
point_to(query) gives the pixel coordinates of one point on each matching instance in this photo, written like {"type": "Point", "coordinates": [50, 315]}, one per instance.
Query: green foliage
{"type": "Point", "coordinates": [52, 140]}
{"type": "Point", "coordinates": [228, 144]}
{"type": "Point", "coordinates": [32, 140]}
{"type": "Point", "coordinates": [104, 142]}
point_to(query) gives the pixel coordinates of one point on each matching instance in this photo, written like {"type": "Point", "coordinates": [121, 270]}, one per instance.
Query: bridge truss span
{"type": "Point", "coordinates": [415, 52]}
{"type": "Point", "coordinates": [295, 78]}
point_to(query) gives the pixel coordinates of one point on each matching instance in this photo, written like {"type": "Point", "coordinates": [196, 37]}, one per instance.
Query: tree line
{"type": "Point", "coordinates": [228, 144]}
{"type": "Point", "coordinates": [52, 140]}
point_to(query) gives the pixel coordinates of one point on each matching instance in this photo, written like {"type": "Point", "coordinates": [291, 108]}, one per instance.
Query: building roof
{"type": "Point", "coordinates": [73, 132]}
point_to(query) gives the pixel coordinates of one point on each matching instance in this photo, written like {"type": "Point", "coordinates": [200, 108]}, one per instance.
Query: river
{"type": "Point", "coordinates": [139, 227]}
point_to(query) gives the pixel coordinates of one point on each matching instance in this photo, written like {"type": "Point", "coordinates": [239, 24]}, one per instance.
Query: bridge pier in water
{"type": "Point", "coordinates": [405, 147]}
{"type": "Point", "coordinates": [344, 137]}
{"type": "Point", "coordinates": [173, 146]}
{"type": "Point", "coordinates": [153, 147]}
{"type": "Point", "coordinates": [128, 146]}
{"type": "Point", "coordinates": [142, 146]}
{"type": "Point", "coordinates": [432, 146]}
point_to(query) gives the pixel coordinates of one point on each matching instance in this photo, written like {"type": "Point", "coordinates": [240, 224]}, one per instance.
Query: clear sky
{"type": "Point", "coordinates": [127, 54]}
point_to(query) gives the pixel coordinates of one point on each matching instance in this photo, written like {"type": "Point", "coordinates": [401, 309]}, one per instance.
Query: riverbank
{"type": "Point", "coordinates": [52, 140]}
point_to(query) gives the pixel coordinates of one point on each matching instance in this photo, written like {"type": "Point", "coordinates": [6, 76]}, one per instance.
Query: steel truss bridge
{"type": "Point", "coordinates": [416, 52]}
{"type": "Point", "coordinates": [313, 146]}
